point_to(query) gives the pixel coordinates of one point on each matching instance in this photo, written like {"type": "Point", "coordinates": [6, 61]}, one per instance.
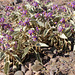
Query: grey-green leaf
{"type": "Point", "coordinates": [46, 32]}
{"type": "Point", "coordinates": [26, 50]}
{"type": "Point", "coordinates": [1, 55]}
{"type": "Point", "coordinates": [17, 58]}
{"type": "Point", "coordinates": [6, 68]}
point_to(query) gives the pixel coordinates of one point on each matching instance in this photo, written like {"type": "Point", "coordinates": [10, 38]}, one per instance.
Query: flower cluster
{"type": "Point", "coordinates": [37, 15]}
{"type": "Point", "coordinates": [72, 4]}
{"type": "Point", "coordinates": [48, 15]}
{"type": "Point", "coordinates": [60, 28]}
{"type": "Point", "coordinates": [54, 7]}
{"type": "Point", "coordinates": [32, 33]}
{"type": "Point", "coordinates": [8, 8]}
{"type": "Point", "coordinates": [24, 26]}
{"type": "Point", "coordinates": [5, 26]}
{"type": "Point", "coordinates": [24, 12]}
{"type": "Point", "coordinates": [62, 20]}
{"type": "Point", "coordinates": [5, 47]}
{"type": "Point", "coordinates": [64, 26]}
{"type": "Point", "coordinates": [8, 37]}
{"type": "Point", "coordinates": [59, 8]}
{"type": "Point", "coordinates": [35, 4]}
{"type": "Point", "coordinates": [26, 22]}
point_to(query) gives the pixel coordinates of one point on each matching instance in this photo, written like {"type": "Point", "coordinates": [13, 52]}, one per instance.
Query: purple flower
{"type": "Point", "coordinates": [2, 19]}
{"type": "Point", "coordinates": [65, 25]}
{"type": "Point", "coordinates": [34, 38]}
{"type": "Point", "coordinates": [27, 19]}
{"type": "Point", "coordinates": [11, 29]}
{"type": "Point", "coordinates": [71, 28]}
{"type": "Point", "coordinates": [20, 23]}
{"type": "Point", "coordinates": [55, 23]}
{"type": "Point", "coordinates": [68, 3]}
{"type": "Point", "coordinates": [3, 34]}
{"type": "Point", "coordinates": [58, 8]}
{"type": "Point", "coordinates": [8, 37]}
{"type": "Point", "coordinates": [9, 26]}
{"type": "Point", "coordinates": [6, 8]}
{"type": "Point", "coordinates": [24, 12]}
{"type": "Point", "coordinates": [37, 29]}
{"type": "Point", "coordinates": [15, 45]}
{"type": "Point", "coordinates": [62, 20]}
{"type": "Point", "coordinates": [9, 8]}
{"type": "Point", "coordinates": [26, 22]}
{"type": "Point", "coordinates": [1, 40]}
{"type": "Point", "coordinates": [31, 32]}
{"type": "Point", "coordinates": [54, 7]}
{"type": "Point", "coordinates": [35, 4]}
{"type": "Point", "coordinates": [60, 28]}
{"type": "Point", "coordinates": [8, 13]}
{"type": "Point", "coordinates": [18, 7]}
{"type": "Point", "coordinates": [72, 4]}
{"type": "Point", "coordinates": [29, 0]}
{"type": "Point", "coordinates": [63, 8]}
{"type": "Point", "coordinates": [37, 15]}
{"type": "Point", "coordinates": [46, 15]}
{"type": "Point", "coordinates": [7, 46]}
{"type": "Point", "coordinates": [50, 14]}
{"type": "Point", "coordinates": [5, 26]}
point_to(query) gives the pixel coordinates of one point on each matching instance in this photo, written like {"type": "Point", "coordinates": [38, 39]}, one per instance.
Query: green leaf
{"type": "Point", "coordinates": [26, 50]}
{"type": "Point", "coordinates": [6, 68]}
{"type": "Point", "coordinates": [51, 36]}
{"type": "Point", "coordinates": [38, 57]}
{"type": "Point", "coordinates": [15, 33]}
{"type": "Point", "coordinates": [67, 30]}
{"type": "Point", "coordinates": [52, 41]}
{"type": "Point", "coordinates": [46, 32]}
{"type": "Point", "coordinates": [56, 19]}
{"type": "Point", "coordinates": [17, 58]}
{"type": "Point", "coordinates": [69, 34]}
{"type": "Point", "coordinates": [1, 55]}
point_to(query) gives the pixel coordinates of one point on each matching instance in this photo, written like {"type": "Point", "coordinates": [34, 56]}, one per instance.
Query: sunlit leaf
{"type": "Point", "coordinates": [41, 45]}
{"type": "Point", "coordinates": [63, 36]}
